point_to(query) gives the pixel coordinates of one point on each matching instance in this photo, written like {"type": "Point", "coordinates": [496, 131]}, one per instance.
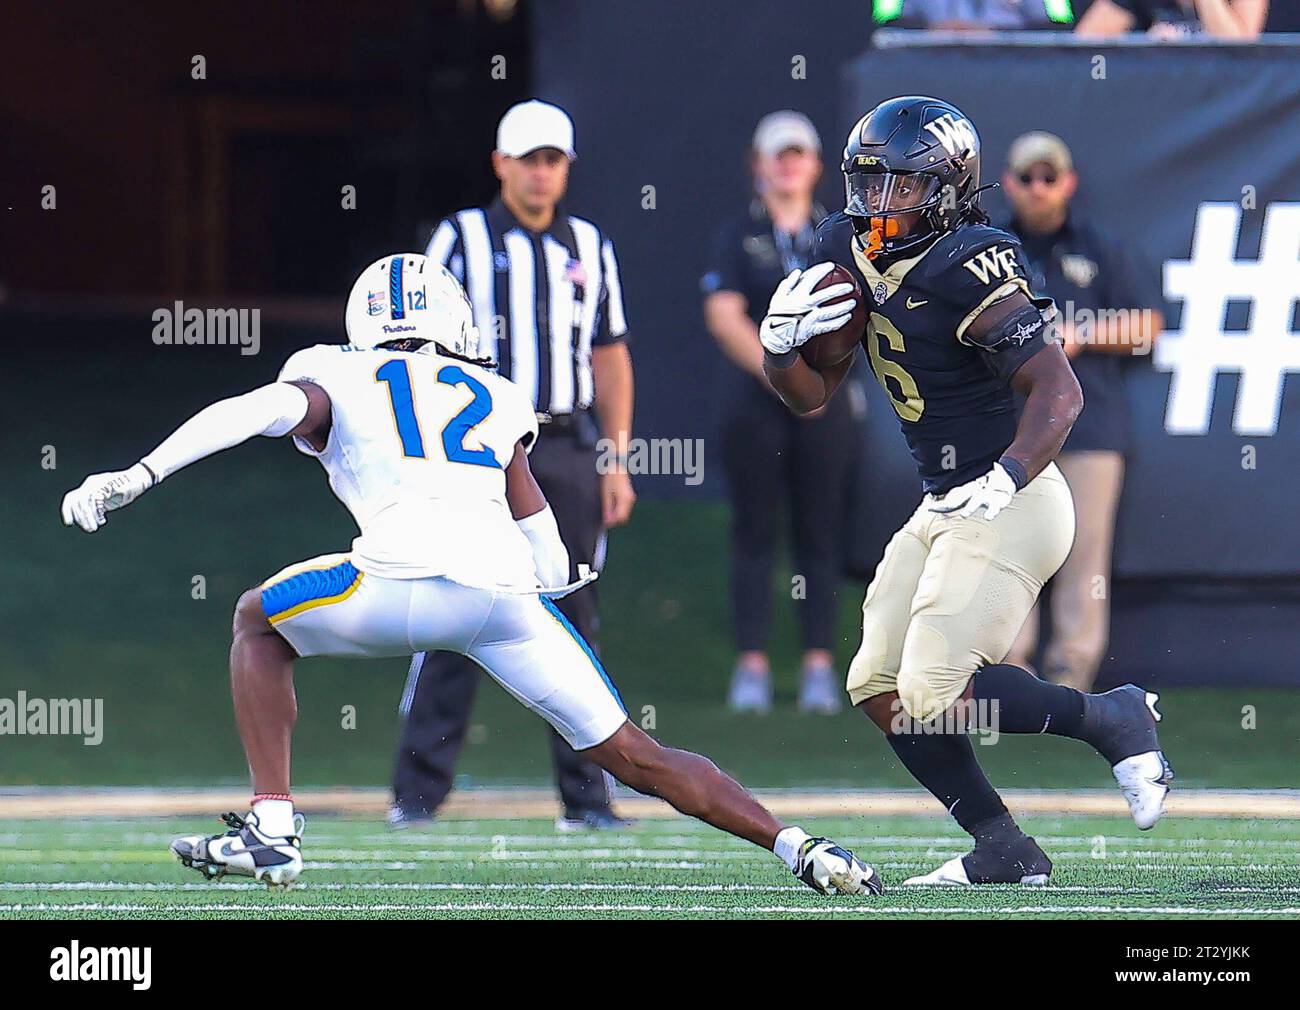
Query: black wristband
{"type": "Point", "coordinates": [781, 361]}
{"type": "Point", "coordinates": [1017, 471]}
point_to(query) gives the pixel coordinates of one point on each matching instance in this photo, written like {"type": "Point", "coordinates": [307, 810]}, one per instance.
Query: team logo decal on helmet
{"type": "Point", "coordinates": [406, 296]}
{"type": "Point", "coordinates": [911, 173]}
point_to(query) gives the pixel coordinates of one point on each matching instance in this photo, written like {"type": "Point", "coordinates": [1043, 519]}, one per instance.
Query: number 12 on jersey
{"type": "Point", "coordinates": [397, 376]}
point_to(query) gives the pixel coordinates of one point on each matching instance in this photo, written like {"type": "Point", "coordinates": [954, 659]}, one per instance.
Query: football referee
{"type": "Point", "coordinates": [547, 298]}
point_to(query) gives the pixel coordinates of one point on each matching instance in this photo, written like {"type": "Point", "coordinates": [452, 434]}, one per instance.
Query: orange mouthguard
{"type": "Point", "coordinates": [881, 229]}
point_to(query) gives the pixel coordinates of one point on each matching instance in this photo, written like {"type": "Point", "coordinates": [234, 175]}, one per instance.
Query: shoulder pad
{"type": "Point", "coordinates": [308, 363]}
{"type": "Point", "coordinates": [960, 246]}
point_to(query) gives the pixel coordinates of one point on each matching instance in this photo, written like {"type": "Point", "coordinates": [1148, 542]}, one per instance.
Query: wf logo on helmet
{"type": "Point", "coordinates": [956, 135]}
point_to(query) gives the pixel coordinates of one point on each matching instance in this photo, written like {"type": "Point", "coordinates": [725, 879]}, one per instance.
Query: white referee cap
{"type": "Point", "coordinates": [528, 126]}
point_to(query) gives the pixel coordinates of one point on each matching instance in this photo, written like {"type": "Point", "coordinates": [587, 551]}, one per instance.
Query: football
{"type": "Point", "coordinates": [829, 349]}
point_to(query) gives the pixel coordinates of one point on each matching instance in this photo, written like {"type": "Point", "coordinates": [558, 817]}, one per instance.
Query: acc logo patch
{"type": "Point", "coordinates": [880, 292]}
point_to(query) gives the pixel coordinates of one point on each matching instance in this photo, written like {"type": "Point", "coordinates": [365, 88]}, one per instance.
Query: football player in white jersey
{"type": "Point", "coordinates": [458, 550]}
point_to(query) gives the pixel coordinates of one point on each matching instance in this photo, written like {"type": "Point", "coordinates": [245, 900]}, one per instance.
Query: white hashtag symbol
{"type": "Point", "coordinates": [1262, 354]}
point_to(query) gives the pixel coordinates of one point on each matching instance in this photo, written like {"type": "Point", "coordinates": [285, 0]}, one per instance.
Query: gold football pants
{"type": "Point", "coordinates": [950, 594]}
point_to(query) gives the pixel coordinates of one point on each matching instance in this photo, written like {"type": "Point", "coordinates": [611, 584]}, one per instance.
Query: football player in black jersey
{"type": "Point", "coordinates": [952, 330]}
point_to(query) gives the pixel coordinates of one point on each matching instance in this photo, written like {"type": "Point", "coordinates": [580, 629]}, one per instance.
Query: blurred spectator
{"type": "Point", "coordinates": [1090, 277]}
{"type": "Point", "coordinates": [772, 456]}
{"type": "Point", "coordinates": [1167, 19]}
{"type": "Point", "coordinates": [968, 15]}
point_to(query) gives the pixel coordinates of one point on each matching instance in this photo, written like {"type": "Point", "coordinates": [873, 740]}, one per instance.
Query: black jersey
{"type": "Point", "coordinates": [952, 397]}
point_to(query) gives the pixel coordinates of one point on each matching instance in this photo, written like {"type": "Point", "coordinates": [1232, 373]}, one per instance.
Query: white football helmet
{"type": "Point", "coordinates": [407, 296]}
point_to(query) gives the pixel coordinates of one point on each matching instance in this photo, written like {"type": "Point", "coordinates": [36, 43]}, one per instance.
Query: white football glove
{"type": "Point", "coordinates": [797, 313]}
{"type": "Point", "coordinates": [830, 869]}
{"type": "Point", "coordinates": [101, 493]}
{"type": "Point", "coordinates": [992, 493]}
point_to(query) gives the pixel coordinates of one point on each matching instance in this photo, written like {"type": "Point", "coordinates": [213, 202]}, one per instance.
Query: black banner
{"type": "Point", "coordinates": [1187, 154]}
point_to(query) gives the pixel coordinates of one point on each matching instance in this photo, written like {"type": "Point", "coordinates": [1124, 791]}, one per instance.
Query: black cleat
{"type": "Point", "coordinates": [1009, 857]}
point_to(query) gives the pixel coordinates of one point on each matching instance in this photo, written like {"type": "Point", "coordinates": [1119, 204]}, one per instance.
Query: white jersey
{"type": "Point", "coordinates": [417, 451]}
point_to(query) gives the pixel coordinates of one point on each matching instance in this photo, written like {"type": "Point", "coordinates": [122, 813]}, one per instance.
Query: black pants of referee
{"type": "Point", "coordinates": [441, 690]}
{"type": "Point", "coordinates": [780, 464]}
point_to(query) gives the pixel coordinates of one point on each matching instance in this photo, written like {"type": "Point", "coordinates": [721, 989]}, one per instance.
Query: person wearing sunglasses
{"type": "Point", "coordinates": [1109, 315]}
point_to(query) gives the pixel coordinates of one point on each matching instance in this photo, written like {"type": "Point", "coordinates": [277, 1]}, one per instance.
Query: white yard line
{"type": "Point", "coordinates": [545, 888]}
{"type": "Point", "coordinates": [811, 910]}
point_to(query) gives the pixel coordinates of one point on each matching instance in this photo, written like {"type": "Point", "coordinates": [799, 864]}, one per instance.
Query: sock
{"type": "Point", "coordinates": [1021, 703]}
{"type": "Point", "coordinates": [274, 817]}
{"type": "Point", "coordinates": [787, 845]}
{"type": "Point", "coordinates": [945, 764]}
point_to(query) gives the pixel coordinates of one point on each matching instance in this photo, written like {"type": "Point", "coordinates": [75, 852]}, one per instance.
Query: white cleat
{"type": "Point", "coordinates": [244, 851]}
{"type": "Point", "coordinates": [1010, 857]}
{"type": "Point", "coordinates": [1144, 780]}
{"type": "Point", "coordinates": [950, 874]}
{"type": "Point", "coordinates": [953, 874]}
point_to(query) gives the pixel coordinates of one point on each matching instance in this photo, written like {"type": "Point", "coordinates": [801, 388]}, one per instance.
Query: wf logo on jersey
{"type": "Point", "coordinates": [1200, 348]}
{"type": "Point", "coordinates": [993, 263]}
{"type": "Point", "coordinates": [954, 134]}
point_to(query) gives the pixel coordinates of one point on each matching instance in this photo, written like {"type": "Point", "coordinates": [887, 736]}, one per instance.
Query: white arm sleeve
{"type": "Point", "coordinates": [549, 553]}
{"type": "Point", "coordinates": [269, 410]}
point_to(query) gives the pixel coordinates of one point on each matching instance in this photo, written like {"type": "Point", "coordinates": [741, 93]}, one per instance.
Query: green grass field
{"type": "Point", "coordinates": [1186, 868]}
{"type": "Point", "coordinates": [117, 617]}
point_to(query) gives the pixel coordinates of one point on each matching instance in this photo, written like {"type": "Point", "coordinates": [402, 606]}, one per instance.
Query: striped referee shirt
{"type": "Point", "coordinates": [541, 300]}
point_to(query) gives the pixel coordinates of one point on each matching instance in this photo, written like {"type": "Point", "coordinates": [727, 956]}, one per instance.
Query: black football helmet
{"type": "Point", "coordinates": [911, 173]}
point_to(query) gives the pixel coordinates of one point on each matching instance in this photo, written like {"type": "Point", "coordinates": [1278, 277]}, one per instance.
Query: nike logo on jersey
{"type": "Point", "coordinates": [916, 303]}
{"type": "Point", "coordinates": [995, 262]}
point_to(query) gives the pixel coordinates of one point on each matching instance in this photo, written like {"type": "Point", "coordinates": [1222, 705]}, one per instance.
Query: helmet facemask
{"type": "Point", "coordinates": [895, 212]}
{"type": "Point", "coordinates": [895, 209]}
